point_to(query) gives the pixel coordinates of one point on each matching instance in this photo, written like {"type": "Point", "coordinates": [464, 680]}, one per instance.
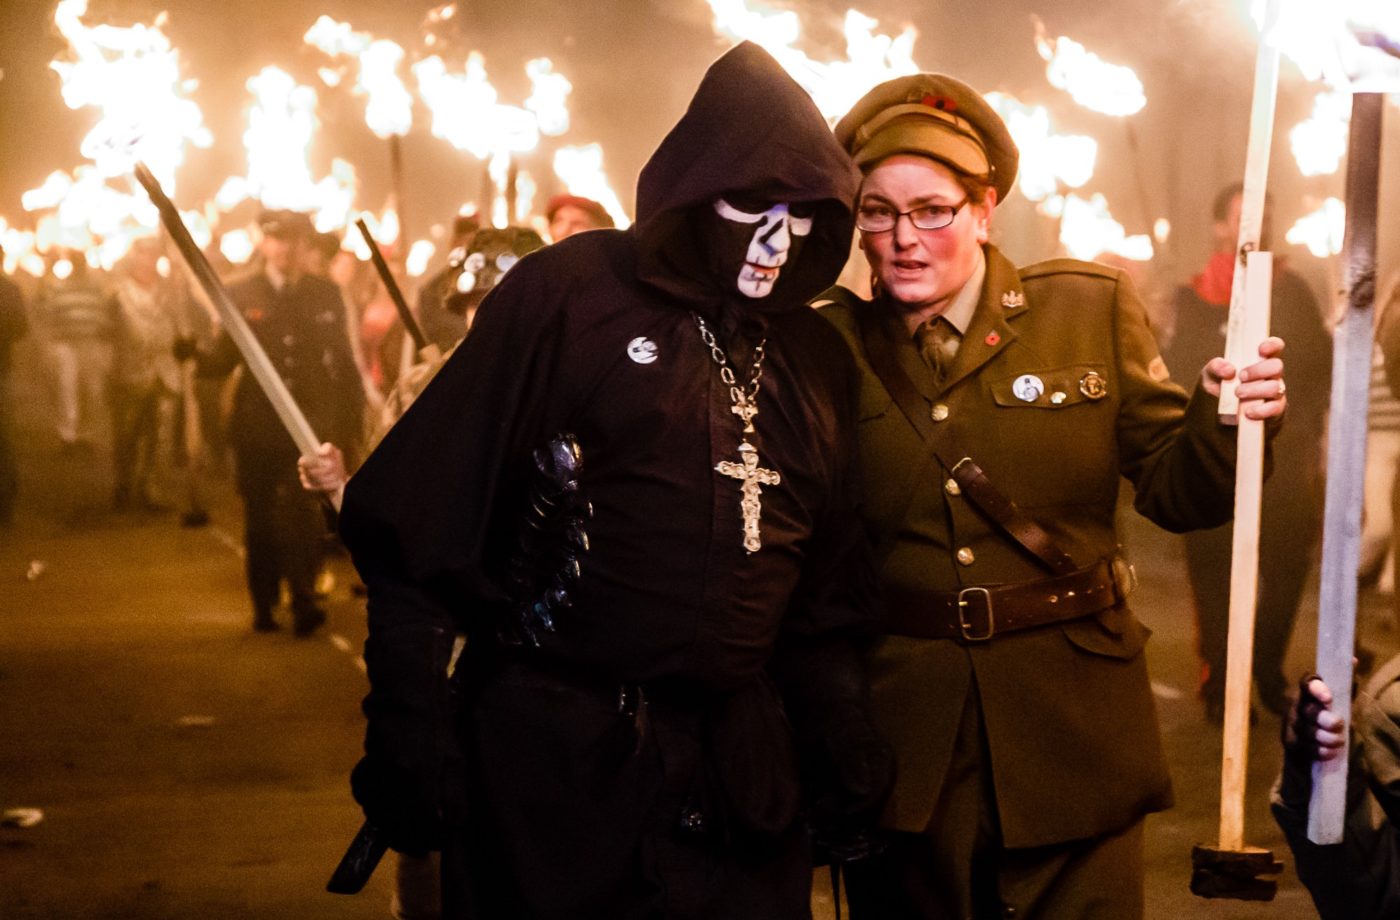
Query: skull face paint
{"type": "Point", "coordinates": [764, 240]}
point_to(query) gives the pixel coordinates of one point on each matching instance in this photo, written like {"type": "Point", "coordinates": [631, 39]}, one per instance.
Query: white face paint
{"type": "Point", "coordinates": [776, 235]}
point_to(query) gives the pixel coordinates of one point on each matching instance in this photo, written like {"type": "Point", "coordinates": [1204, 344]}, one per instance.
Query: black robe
{"type": "Point", "coordinates": [573, 806]}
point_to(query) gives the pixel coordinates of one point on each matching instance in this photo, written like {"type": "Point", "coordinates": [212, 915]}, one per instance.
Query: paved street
{"type": "Point", "coordinates": [188, 768]}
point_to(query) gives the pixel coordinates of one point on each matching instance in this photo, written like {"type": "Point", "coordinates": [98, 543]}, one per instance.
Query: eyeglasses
{"type": "Point", "coordinates": [881, 218]}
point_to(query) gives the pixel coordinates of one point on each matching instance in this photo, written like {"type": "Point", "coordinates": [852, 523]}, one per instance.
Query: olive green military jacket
{"type": "Point", "coordinates": [1068, 710]}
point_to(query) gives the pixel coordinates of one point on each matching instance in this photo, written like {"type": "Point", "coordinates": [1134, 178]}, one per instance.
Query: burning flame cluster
{"type": "Point", "coordinates": [131, 75]}
{"type": "Point", "coordinates": [835, 86]}
{"type": "Point", "coordinates": [1343, 43]}
{"type": "Point", "coordinates": [1051, 164]}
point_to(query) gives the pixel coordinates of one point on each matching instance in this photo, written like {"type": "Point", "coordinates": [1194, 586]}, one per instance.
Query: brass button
{"type": "Point", "coordinates": [952, 487]}
{"type": "Point", "coordinates": [939, 412]}
{"type": "Point", "coordinates": [966, 556]}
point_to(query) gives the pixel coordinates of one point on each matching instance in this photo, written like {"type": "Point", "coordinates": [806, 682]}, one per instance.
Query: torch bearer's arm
{"type": "Point", "coordinates": [253, 355]}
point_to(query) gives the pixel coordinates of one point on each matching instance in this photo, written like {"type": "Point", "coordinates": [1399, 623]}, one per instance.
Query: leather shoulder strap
{"type": "Point", "coordinates": [974, 483]}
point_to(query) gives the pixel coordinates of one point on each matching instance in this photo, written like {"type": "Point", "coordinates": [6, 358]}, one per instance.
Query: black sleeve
{"type": "Point", "coordinates": [819, 666]}
{"type": "Point", "coordinates": [416, 519]}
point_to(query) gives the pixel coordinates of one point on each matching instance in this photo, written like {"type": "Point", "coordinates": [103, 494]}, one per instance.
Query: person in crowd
{"type": "Point", "coordinates": [998, 409]}
{"type": "Point", "coordinates": [299, 321]}
{"type": "Point", "coordinates": [14, 325]}
{"type": "Point", "coordinates": [1359, 878]}
{"type": "Point", "coordinates": [630, 488]}
{"type": "Point", "coordinates": [74, 314]}
{"type": "Point", "coordinates": [145, 378]}
{"type": "Point", "coordinates": [570, 214]}
{"type": "Point", "coordinates": [440, 327]}
{"type": "Point", "coordinates": [319, 253]}
{"type": "Point", "coordinates": [1292, 505]}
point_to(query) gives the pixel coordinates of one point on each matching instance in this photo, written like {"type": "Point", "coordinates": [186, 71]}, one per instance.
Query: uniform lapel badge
{"type": "Point", "coordinates": [1093, 386]}
{"type": "Point", "coordinates": [1013, 299]}
{"type": "Point", "coordinates": [1027, 388]}
{"type": "Point", "coordinates": [642, 350]}
{"type": "Point", "coordinates": [993, 338]}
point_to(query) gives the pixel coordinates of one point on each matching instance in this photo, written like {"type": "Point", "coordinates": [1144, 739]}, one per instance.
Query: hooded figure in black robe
{"type": "Point", "coordinates": [640, 758]}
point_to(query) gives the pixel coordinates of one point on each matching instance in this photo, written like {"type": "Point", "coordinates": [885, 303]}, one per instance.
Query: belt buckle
{"type": "Point", "coordinates": [964, 626]}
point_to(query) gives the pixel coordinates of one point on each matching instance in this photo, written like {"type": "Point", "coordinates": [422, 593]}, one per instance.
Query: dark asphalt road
{"type": "Point", "coordinates": [188, 768]}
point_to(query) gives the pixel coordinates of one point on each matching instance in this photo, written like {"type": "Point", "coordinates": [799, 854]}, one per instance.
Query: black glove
{"type": "Point", "coordinates": [1300, 746]}
{"type": "Point", "coordinates": [403, 808]}
{"type": "Point", "coordinates": [850, 773]}
{"type": "Point", "coordinates": [183, 349]}
{"type": "Point", "coordinates": [847, 768]}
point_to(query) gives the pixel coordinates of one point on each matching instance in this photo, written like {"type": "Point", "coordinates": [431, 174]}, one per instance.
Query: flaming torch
{"type": "Point", "coordinates": [131, 75]}
{"type": "Point", "coordinates": [1352, 44]}
{"type": "Point", "coordinates": [389, 106]}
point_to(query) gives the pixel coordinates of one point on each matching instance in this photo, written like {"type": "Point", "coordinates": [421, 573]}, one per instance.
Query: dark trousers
{"type": "Point", "coordinates": [576, 810]}
{"type": "Point", "coordinates": [284, 531]}
{"type": "Point", "coordinates": [135, 440]}
{"type": "Point", "coordinates": [959, 869]}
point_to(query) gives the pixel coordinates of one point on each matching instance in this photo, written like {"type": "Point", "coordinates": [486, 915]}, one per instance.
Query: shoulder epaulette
{"type": "Point", "coordinates": [1068, 267]}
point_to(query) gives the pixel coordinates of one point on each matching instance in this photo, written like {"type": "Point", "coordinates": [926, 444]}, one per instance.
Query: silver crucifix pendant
{"type": "Point", "coordinates": [752, 476]}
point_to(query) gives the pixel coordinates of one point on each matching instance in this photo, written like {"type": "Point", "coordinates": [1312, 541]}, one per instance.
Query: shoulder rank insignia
{"type": "Point", "coordinates": [1013, 299]}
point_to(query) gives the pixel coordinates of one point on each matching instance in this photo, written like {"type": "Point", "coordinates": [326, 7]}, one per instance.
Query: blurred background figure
{"type": "Point", "coordinates": [145, 378]}
{"type": "Point", "coordinates": [480, 266]}
{"type": "Point", "coordinates": [318, 254]}
{"type": "Point", "coordinates": [570, 214]}
{"type": "Point", "coordinates": [1376, 568]}
{"type": "Point", "coordinates": [1292, 516]}
{"type": "Point", "coordinates": [442, 328]}
{"type": "Point", "coordinates": [14, 325]}
{"type": "Point", "coordinates": [1382, 508]}
{"type": "Point", "coordinates": [75, 318]}
{"type": "Point", "coordinates": [300, 322]}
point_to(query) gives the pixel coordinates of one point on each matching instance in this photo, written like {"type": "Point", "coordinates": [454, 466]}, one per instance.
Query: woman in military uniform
{"type": "Point", "coordinates": [998, 408]}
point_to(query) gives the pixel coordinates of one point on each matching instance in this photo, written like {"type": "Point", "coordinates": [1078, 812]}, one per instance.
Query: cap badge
{"type": "Point", "coordinates": [1013, 299]}
{"type": "Point", "coordinates": [942, 103]}
{"type": "Point", "coordinates": [1027, 388]}
{"type": "Point", "coordinates": [642, 350]}
{"type": "Point", "coordinates": [1093, 386]}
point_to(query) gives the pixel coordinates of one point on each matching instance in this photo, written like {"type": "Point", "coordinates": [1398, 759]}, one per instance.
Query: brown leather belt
{"type": "Point", "coordinates": [979, 612]}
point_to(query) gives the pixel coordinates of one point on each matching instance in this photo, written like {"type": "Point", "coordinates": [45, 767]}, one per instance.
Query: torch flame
{"type": "Point", "coordinates": [1322, 230]}
{"type": "Point", "coordinates": [835, 86]}
{"type": "Point", "coordinates": [1087, 229]}
{"type": "Point", "coordinates": [1343, 42]}
{"type": "Point", "coordinates": [547, 100]}
{"type": "Point", "coordinates": [389, 111]}
{"type": "Point", "coordinates": [1050, 162]}
{"type": "Point", "coordinates": [131, 75]}
{"type": "Point", "coordinates": [1091, 81]}
{"type": "Point", "coordinates": [466, 113]}
{"type": "Point", "coordinates": [281, 125]}
{"type": "Point", "coordinates": [1320, 142]}
{"type": "Point", "coordinates": [581, 171]}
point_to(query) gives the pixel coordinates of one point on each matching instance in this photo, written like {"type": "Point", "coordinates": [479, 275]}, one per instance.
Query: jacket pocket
{"type": "Point", "coordinates": [1114, 633]}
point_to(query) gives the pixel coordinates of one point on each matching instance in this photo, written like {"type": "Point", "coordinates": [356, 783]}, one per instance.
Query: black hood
{"type": "Point", "coordinates": [750, 129]}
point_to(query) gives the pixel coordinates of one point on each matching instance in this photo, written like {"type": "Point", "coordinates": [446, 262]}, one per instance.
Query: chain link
{"type": "Point", "coordinates": [740, 395]}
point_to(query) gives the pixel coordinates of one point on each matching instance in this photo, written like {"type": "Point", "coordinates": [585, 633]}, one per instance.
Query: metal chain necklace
{"type": "Point", "coordinates": [750, 475]}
